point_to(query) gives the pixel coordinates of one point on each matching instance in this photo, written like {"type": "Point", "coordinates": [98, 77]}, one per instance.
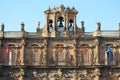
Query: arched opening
{"type": "Point", "coordinates": [60, 55]}
{"type": "Point", "coordinates": [71, 26]}
{"type": "Point", "coordinates": [34, 55]}
{"type": "Point", "coordinates": [60, 22]}
{"type": "Point", "coordinates": [12, 54]}
{"type": "Point", "coordinates": [85, 54]}
{"type": "Point", "coordinates": [50, 26]}
{"type": "Point", "coordinates": [109, 54]}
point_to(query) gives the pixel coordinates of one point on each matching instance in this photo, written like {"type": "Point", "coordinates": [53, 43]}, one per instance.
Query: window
{"type": "Point", "coordinates": [50, 26]}
{"type": "Point", "coordinates": [71, 26]}
{"type": "Point", "coordinates": [60, 24]}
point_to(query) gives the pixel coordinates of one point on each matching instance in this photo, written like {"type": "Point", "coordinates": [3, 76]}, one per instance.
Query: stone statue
{"type": "Point", "coordinates": [59, 72]}
{"type": "Point", "coordinates": [38, 24]}
{"type": "Point", "coordinates": [99, 26]}
{"type": "Point", "coordinates": [38, 27]}
{"type": "Point", "coordinates": [71, 60]}
{"type": "Point", "coordinates": [2, 27]}
{"type": "Point", "coordinates": [83, 28]}
{"type": "Point", "coordinates": [22, 27]}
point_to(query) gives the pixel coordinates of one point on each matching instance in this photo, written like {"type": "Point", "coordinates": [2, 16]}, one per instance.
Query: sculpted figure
{"type": "Point", "coordinates": [99, 26]}
{"type": "Point", "coordinates": [2, 27]}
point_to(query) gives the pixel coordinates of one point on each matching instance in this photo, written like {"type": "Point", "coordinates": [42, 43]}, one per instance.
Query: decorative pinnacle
{"type": "Point", "coordinates": [99, 26]}
{"type": "Point", "coordinates": [22, 26]}
{"type": "Point", "coordinates": [83, 28]}
{"type": "Point", "coordinates": [2, 27]}
{"type": "Point", "coordinates": [82, 23]}
{"type": "Point", "coordinates": [2, 24]}
{"type": "Point", "coordinates": [38, 25]}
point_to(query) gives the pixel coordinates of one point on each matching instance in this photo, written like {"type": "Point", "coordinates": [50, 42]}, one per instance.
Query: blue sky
{"type": "Point", "coordinates": [13, 12]}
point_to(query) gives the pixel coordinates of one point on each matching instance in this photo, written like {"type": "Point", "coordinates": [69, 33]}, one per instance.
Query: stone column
{"type": "Point", "coordinates": [22, 52]}
{"type": "Point", "coordinates": [74, 49]}
{"type": "Point", "coordinates": [54, 26]}
{"type": "Point", "coordinates": [106, 60]}
{"type": "Point", "coordinates": [10, 58]}
{"type": "Point", "coordinates": [54, 22]}
{"type": "Point", "coordinates": [47, 21]}
{"type": "Point", "coordinates": [67, 22]}
{"type": "Point", "coordinates": [74, 23]}
{"type": "Point", "coordinates": [47, 55]}
{"type": "Point", "coordinates": [97, 52]}
{"type": "Point", "coordinates": [44, 57]}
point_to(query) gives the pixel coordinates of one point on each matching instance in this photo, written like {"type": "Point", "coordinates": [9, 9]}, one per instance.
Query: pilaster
{"type": "Point", "coordinates": [47, 21]}
{"type": "Point", "coordinates": [67, 22]}
{"type": "Point", "coordinates": [97, 51]}
{"type": "Point", "coordinates": [54, 22]}
{"type": "Point", "coordinates": [74, 23]}
{"type": "Point", "coordinates": [22, 51]}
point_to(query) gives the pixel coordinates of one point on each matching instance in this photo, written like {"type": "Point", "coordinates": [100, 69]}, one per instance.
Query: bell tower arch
{"type": "Point", "coordinates": [60, 21]}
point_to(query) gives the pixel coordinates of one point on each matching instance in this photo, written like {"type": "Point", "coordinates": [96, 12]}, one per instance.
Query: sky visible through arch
{"type": "Point", "coordinates": [13, 12]}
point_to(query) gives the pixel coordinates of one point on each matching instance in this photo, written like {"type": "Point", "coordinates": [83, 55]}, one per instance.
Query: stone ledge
{"type": "Point", "coordinates": [57, 67]}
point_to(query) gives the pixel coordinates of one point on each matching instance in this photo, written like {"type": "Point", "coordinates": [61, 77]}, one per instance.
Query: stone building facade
{"type": "Point", "coordinates": [60, 50]}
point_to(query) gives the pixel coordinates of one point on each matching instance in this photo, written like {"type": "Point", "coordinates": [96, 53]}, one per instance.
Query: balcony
{"type": "Point", "coordinates": [110, 33]}
{"type": "Point", "coordinates": [13, 34]}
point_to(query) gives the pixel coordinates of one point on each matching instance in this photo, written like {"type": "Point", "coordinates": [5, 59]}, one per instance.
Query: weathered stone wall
{"type": "Point", "coordinates": [59, 73]}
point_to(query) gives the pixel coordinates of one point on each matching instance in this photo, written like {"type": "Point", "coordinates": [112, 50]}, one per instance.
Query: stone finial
{"type": "Point", "coordinates": [61, 7]}
{"type": "Point", "coordinates": [68, 8]}
{"type": "Point", "coordinates": [38, 26]}
{"type": "Point", "coordinates": [22, 27]}
{"type": "Point", "coordinates": [99, 26]}
{"type": "Point", "coordinates": [83, 28]}
{"type": "Point", "coordinates": [73, 8]}
{"type": "Point", "coordinates": [2, 27]}
{"type": "Point", "coordinates": [82, 23]}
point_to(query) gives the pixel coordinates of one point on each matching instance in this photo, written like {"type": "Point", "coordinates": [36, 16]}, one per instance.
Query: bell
{"type": "Point", "coordinates": [60, 24]}
{"type": "Point", "coordinates": [50, 24]}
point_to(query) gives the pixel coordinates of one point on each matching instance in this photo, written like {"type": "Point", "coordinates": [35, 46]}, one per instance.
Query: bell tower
{"type": "Point", "coordinates": [60, 21]}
